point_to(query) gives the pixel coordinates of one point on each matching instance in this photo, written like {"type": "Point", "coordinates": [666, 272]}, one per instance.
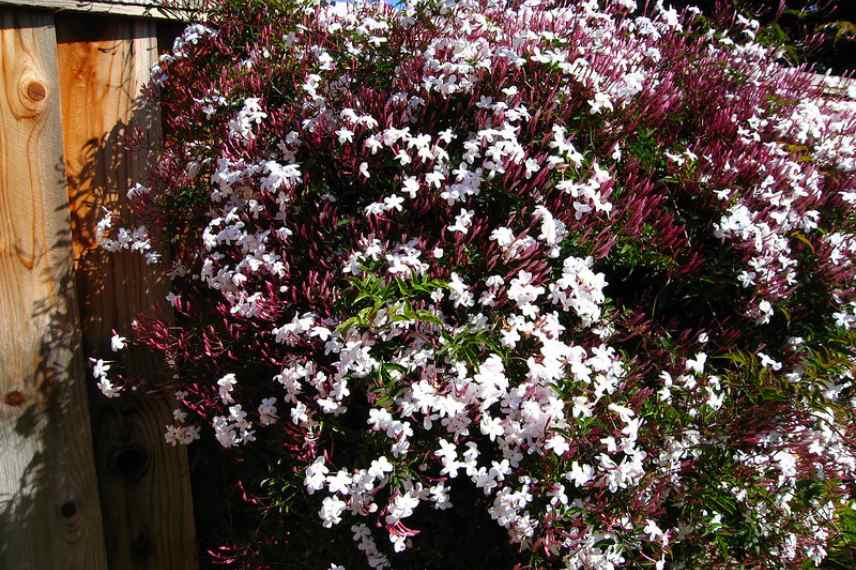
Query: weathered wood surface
{"type": "Point", "coordinates": [144, 484]}
{"type": "Point", "coordinates": [49, 507]}
{"type": "Point", "coordinates": [169, 9]}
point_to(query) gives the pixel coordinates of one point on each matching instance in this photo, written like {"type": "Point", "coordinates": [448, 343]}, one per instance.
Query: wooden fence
{"type": "Point", "coordinates": [85, 484]}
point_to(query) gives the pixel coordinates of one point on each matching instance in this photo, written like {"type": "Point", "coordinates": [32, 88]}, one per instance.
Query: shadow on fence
{"type": "Point", "coordinates": [143, 488]}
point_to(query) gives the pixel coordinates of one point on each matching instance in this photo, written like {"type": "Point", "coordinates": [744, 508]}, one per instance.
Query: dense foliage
{"type": "Point", "coordinates": [478, 284]}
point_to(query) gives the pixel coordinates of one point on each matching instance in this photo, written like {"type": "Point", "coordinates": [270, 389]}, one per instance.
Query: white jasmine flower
{"type": "Point", "coordinates": [227, 385]}
{"type": "Point", "coordinates": [267, 412]}
{"type": "Point", "coordinates": [558, 445]}
{"type": "Point", "coordinates": [117, 343]}
{"type": "Point", "coordinates": [331, 511]}
{"type": "Point", "coordinates": [345, 135]}
{"type": "Point", "coordinates": [697, 364]}
{"type": "Point", "coordinates": [315, 475]}
{"type": "Point", "coordinates": [579, 474]}
{"type": "Point", "coordinates": [463, 221]}
{"type": "Point", "coordinates": [767, 362]}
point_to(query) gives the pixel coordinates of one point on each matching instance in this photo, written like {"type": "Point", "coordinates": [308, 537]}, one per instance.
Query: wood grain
{"type": "Point", "coordinates": [144, 484]}
{"type": "Point", "coordinates": [49, 507]}
{"type": "Point", "coordinates": [173, 9]}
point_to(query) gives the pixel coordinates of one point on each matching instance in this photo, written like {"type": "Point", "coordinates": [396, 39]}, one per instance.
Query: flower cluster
{"type": "Point", "coordinates": [588, 266]}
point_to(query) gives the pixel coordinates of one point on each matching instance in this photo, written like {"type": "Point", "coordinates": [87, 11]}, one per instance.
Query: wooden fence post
{"type": "Point", "coordinates": [49, 507]}
{"type": "Point", "coordinates": [104, 62]}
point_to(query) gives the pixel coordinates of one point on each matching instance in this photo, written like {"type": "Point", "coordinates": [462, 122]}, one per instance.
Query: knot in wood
{"type": "Point", "coordinates": [14, 398]}
{"type": "Point", "coordinates": [36, 90]}
{"type": "Point", "coordinates": [32, 97]}
{"type": "Point", "coordinates": [68, 509]}
{"type": "Point", "coordinates": [130, 462]}
{"type": "Point", "coordinates": [70, 514]}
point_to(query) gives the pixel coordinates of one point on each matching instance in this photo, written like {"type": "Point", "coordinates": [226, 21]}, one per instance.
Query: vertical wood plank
{"type": "Point", "coordinates": [144, 484]}
{"type": "Point", "coordinates": [49, 507]}
{"type": "Point", "coordinates": [162, 9]}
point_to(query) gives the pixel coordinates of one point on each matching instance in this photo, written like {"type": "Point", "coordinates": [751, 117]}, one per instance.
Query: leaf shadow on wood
{"type": "Point", "coordinates": [51, 514]}
{"type": "Point", "coordinates": [112, 138]}
{"type": "Point", "coordinates": [53, 413]}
